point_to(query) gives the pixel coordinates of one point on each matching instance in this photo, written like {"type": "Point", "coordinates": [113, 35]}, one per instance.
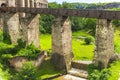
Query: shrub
{"type": "Point", "coordinates": [30, 52]}
{"type": "Point", "coordinates": [115, 69]}
{"type": "Point", "coordinates": [100, 75]}
{"type": "Point", "coordinates": [27, 72]}
{"type": "Point", "coordinates": [89, 40]}
{"type": "Point", "coordinates": [4, 75]}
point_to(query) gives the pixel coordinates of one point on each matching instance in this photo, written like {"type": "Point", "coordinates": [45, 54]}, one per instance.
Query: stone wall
{"type": "Point", "coordinates": [104, 42]}
{"type": "Point", "coordinates": [61, 43]}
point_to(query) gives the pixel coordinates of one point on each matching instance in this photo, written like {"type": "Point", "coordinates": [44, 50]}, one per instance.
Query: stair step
{"type": "Point", "coordinates": [81, 64]}
{"type": "Point", "coordinates": [78, 73]}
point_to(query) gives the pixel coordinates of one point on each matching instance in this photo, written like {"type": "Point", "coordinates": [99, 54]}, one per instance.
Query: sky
{"type": "Point", "coordinates": [83, 1]}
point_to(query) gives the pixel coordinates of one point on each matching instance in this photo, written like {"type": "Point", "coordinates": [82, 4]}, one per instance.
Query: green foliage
{"type": "Point", "coordinates": [30, 52]}
{"type": "Point", "coordinates": [46, 23]}
{"type": "Point", "coordinates": [81, 51]}
{"type": "Point", "coordinates": [115, 69]}
{"type": "Point", "coordinates": [100, 75]}
{"type": "Point", "coordinates": [54, 5]}
{"type": "Point", "coordinates": [116, 47]}
{"type": "Point", "coordinates": [47, 70]}
{"type": "Point", "coordinates": [6, 38]}
{"type": "Point", "coordinates": [88, 40]}
{"type": "Point", "coordinates": [117, 40]}
{"type": "Point", "coordinates": [27, 72]}
{"type": "Point", "coordinates": [116, 23]}
{"type": "Point", "coordinates": [5, 48]}
{"type": "Point", "coordinates": [77, 23]}
{"type": "Point", "coordinates": [4, 74]}
{"type": "Point", "coordinates": [1, 36]}
{"type": "Point", "coordinates": [95, 75]}
{"type": "Point", "coordinates": [12, 49]}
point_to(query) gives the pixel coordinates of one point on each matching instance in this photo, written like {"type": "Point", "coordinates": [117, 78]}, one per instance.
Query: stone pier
{"type": "Point", "coordinates": [61, 43]}
{"type": "Point", "coordinates": [104, 42]}
{"type": "Point", "coordinates": [11, 25]}
{"type": "Point", "coordinates": [1, 21]}
{"type": "Point", "coordinates": [30, 25]}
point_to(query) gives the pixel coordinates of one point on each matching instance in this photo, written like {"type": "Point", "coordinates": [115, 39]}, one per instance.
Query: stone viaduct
{"type": "Point", "coordinates": [22, 21]}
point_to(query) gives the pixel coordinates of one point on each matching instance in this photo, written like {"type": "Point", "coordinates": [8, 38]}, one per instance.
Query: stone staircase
{"type": "Point", "coordinates": [79, 69]}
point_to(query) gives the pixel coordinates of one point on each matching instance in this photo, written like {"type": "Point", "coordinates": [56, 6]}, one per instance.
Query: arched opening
{"type": "Point", "coordinates": [3, 5]}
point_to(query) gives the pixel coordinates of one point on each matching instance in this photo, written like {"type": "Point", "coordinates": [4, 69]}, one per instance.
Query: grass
{"type": "Point", "coordinates": [47, 70]}
{"type": "Point", "coordinates": [117, 40]}
{"type": "Point", "coordinates": [45, 41]}
{"type": "Point", "coordinates": [80, 50]}
{"type": "Point", "coordinates": [115, 69]}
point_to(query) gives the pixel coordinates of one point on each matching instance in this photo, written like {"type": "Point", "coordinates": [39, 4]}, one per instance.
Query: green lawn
{"type": "Point", "coordinates": [80, 50]}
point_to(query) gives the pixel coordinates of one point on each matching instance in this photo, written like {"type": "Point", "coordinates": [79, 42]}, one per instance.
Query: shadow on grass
{"type": "Point", "coordinates": [47, 70]}
{"type": "Point", "coordinates": [85, 44]}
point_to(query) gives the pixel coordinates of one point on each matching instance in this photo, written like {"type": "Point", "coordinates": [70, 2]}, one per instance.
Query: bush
{"type": "Point", "coordinates": [89, 40]}
{"type": "Point", "coordinates": [27, 72]}
{"type": "Point", "coordinates": [100, 75]}
{"type": "Point", "coordinates": [4, 75]}
{"type": "Point", "coordinates": [30, 52]}
{"type": "Point", "coordinates": [115, 69]}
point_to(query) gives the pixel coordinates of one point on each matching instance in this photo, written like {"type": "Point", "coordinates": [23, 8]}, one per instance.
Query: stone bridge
{"type": "Point", "coordinates": [21, 20]}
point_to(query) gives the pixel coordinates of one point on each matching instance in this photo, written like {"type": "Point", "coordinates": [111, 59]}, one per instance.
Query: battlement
{"type": "Point", "coordinates": [24, 3]}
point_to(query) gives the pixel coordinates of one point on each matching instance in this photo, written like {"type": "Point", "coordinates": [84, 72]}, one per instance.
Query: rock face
{"type": "Point", "coordinates": [104, 42]}
{"type": "Point", "coordinates": [61, 43]}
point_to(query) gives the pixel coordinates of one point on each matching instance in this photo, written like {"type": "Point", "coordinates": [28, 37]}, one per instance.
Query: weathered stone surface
{"type": "Point", "coordinates": [30, 29]}
{"type": "Point", "coordinates": [18, 61]}
{"type": "Point", "coordinates": [1, 21]}
{"type": "Point", "coordinates": [61, 43]}
{"type": "Point", "coordinates": [10, 24]}
{"type": "Point", "coordinates": [104, 42]}
{"type": "Point", "coordinates": [29, 24]}
{"type": "Point", "coordinates": [114, 57]}
{"type": "Point", "coordinates": [11, 27]}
